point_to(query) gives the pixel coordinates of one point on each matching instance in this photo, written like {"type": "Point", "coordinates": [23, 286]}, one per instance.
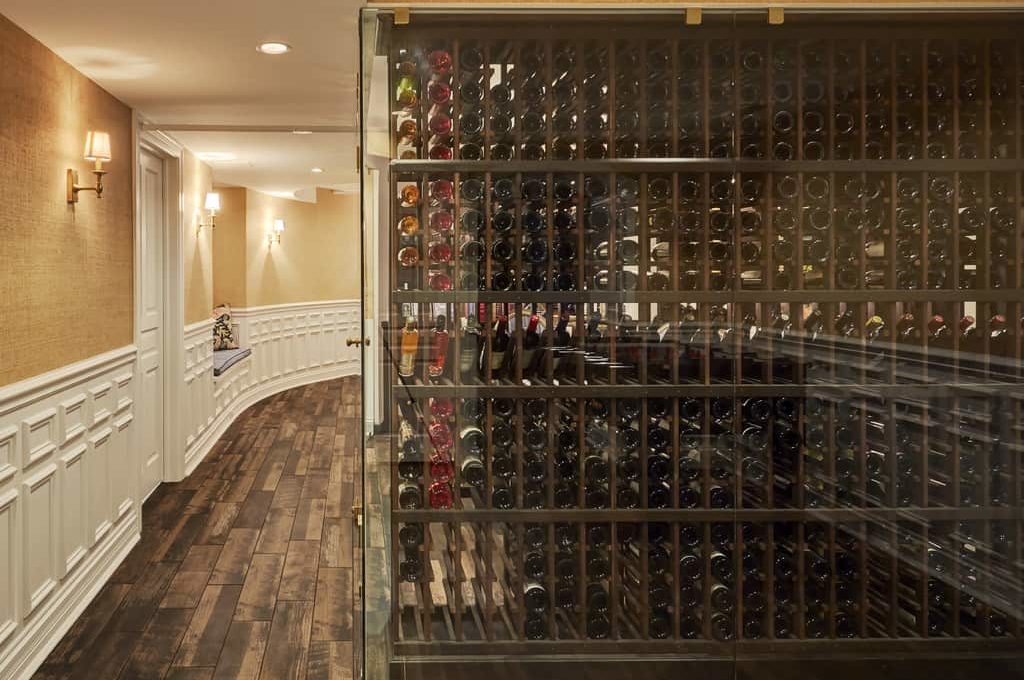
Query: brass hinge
{"type": "Point", "coordinates": [359, 157]}
{"type": "Point", "coordinates": [357, 515]}
{"type": "Point", "coordinates": [401, 16]}
{"type": "Point", "coordinates": [693, 16]}
{"type": "Point", "coordinates": [776, 16]}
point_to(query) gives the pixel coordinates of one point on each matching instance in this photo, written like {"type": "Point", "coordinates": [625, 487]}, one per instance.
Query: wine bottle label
{"type": "Point", "coordinates": [497, 360]}
{"type": "Point", "coordinates": [467, 359]}
{"type": "Point", "coordinates": [407, 364]}
{"type": "Point", "coordinates": [405, 432]}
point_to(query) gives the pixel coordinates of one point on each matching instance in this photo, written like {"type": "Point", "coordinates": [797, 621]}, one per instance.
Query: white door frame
{"type": "Point", "coordinates": [173, 275]}
{"type": "Point", "coordinates": [376, 205]}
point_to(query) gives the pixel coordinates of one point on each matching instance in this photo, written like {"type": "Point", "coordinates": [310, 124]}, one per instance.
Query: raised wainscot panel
{"type": "Point", "coordinates": [123, 386]}
{"type": "Point", "coordinates": [8, 564]}
{"type": "Point", "coordinates": [41, 503]}
{"type": "Point", "coordinates": [8, 453]}
{"type": "Point", "coordinates": [72, 478]}
{"type": "Point", "coordinates": [102, 403]}
{"type": "Point", "coordinates": [121, 467]}
{"type": "Point", "coordinates": [39, 437]}
{"type": "Point", "coordinates": [98, 466]}
{"type": "Point", "coordinates": [73, 417]}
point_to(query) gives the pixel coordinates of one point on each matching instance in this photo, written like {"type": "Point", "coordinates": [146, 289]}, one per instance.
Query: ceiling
{"type": "Point", "coordinates": [279, 163]}
{"type": "Point", "coordinates": [195, 63]}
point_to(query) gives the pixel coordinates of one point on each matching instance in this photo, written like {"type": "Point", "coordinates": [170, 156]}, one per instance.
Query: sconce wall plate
{"type": "Point", "coordinates": [72, 183]}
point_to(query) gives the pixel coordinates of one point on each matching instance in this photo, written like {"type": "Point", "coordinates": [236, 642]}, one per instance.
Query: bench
{"type": "Point", "coordinates": [223, 359]}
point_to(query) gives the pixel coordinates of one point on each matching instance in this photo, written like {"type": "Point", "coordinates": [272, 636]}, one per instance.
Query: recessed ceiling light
{"type": "Point", "coordinates": [215, 156]}
{"type": "Point", "coordinates": [318, 170]}
{"type": "Point", "coordinates": [273, 47]}
{"type": "Point", "coordinates": [302, 132]}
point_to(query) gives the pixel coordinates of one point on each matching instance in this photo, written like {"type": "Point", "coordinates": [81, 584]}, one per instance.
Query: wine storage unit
{"type": "Point", "coordinates": [705, 341]}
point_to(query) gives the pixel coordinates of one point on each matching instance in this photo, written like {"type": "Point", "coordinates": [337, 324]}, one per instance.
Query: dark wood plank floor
{"type": "Point", "coordinates": [245, 569]}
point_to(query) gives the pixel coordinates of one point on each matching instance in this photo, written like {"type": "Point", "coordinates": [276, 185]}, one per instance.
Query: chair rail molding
{"type": "Point", "coordinates": [69, 506]}
{"type": "Point", "coordinates": [292, 345]}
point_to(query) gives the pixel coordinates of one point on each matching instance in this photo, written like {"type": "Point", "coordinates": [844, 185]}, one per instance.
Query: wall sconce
{"type": "Point", "coordinates": [275, 235]}
{"type": "Point", "coordinates": [97, 148]}
{"type": "Point", "coordinates": [212, 205]}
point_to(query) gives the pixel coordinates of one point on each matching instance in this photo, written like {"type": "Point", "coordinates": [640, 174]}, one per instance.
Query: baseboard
{"type": "Point", "coordinates": [203, 444]}
{"type": "Point", "coordinates": [47, 626]}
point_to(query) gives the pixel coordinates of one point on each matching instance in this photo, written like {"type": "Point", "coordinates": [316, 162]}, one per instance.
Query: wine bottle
{"type": "Point", "coordinates": [409, 225]}
{"type": "Point", "coordinates": [502, 279]}
{"type": "Point", "coordinates": [407, 91]}
{"type": "Point", "coordinates": [410, 496]}
{"type": "Point", "coordinates": [531, 343]}
{"type": "Point", "coordinates": [409, 347]}
{"type": "Point", "coordinates": [411, 567]}
{"type": "Point", "coordinates": [500, 343]}
{"type": "Point", "coordinates": [722, 627]}
{"type": "Point", "coordinates": [502, 497]}
{"type": "Point", "coordinates": [473, 471]}
{"type": "Point", "coordinates": [470, 351]}
{"type": "Point", "coordinates": [439, 348]}
{"type": "Point", "coordinates": [410, 453]}
{"type": "Point", "coordinates": [535, 596]}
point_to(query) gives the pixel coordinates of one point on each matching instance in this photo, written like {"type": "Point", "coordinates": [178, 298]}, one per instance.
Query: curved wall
{"type": "Point", "coordinates": [291, 345]}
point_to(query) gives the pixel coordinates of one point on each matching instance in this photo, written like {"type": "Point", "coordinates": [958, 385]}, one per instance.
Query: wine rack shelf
{"type": "Point", "coordinates": [696, 296]}
{"type": "Point", "coordinates": [662, 165]}
{"type": "Point", "coordinates": [706, 340]}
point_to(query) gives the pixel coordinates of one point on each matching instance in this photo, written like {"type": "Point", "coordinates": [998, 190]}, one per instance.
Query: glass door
{"type": "Point", "coordinates": [375, 518]}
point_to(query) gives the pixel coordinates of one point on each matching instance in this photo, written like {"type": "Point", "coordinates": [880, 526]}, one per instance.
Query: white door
{"type": "Point", "coordinates": [151, 407]}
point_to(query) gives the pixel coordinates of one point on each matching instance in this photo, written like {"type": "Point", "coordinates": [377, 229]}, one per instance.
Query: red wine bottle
{"type": "Point", "coordinates": [499, 348]}
{"type": "Point", "coordinates": [439, 348]}
{"type": "Point", "coordinates": [531, 343]}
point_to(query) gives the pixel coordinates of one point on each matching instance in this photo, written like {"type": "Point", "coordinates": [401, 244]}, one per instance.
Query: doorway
{"type": "Point", "coordinates": [152, 247]}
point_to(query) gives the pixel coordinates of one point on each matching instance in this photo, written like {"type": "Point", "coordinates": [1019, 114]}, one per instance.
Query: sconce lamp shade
{"type": "Point", "coordinates": [213, 201]}
{"type": "Point", "coordinates": [97, 146]}
{"type": "Point", "coordinates": [278, 226]}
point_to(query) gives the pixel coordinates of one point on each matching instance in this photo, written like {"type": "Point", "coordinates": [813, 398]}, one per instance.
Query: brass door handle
{"type": "Point", "coordinates": [357, 341]}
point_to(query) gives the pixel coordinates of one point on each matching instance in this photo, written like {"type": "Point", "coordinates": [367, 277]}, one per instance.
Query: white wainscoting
{"type": "Point", "coordinates": [291, 345]}
{"type": "Point", "coordinates": [197, 413]}
{"type": "Point", "coordinates": [68, 499]}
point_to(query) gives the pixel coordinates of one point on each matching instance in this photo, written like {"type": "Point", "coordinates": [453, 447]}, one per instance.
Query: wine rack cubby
{"type": "Point", "coordinates": [705, 342]}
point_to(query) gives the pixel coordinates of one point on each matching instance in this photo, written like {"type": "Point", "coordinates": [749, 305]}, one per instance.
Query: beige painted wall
{"type": "Point", "coordinates": [197, 244]}
{"type": "Point", "coordinates": [318, 257]}
{"type": "Point", "coordinates": [65, 271]}
{"type": "Point", "coordinates": [229, 285]}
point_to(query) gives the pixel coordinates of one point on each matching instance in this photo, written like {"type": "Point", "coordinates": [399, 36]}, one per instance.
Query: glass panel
{"type": "Point", "coordinates": [698, 346]}
{"type": "Point", "coordinates": [372, 657]}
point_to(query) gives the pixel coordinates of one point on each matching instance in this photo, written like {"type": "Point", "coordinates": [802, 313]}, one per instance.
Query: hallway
{"type": "Point", "coordinates": [245, 568]}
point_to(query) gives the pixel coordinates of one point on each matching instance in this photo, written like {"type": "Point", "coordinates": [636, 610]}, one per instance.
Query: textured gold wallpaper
{"type": "Point", "coordinates": [229, 285]}
{"type": "Point", "coordinates": [318, 258]}
{"type": "Point", "coordinates": [196, 244]}
{"type": "Point", "coordinates": [65, 272]}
